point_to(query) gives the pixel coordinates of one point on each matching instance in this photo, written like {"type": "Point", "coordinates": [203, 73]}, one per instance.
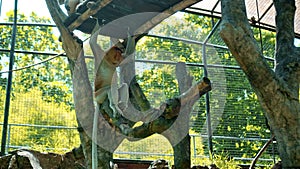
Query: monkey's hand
{"type": "Point", "coordinates": [123, 97]}
{"type": "Point", "coordinates": [101, 94]}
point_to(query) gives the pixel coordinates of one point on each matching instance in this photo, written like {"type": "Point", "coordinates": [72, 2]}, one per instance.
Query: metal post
{"type": "Point", "coordinates": [8, 137]}
{"type": "Point", "coordinates": [207, 105]}
{"type": "Point", "coordinates": [194, 143]}
{"type": "Point", "coordinates": [9, 81]}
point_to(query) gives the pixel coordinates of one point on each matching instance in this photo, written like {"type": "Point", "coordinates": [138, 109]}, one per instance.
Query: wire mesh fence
{"type": "Point", "coordinates": [42, 115]}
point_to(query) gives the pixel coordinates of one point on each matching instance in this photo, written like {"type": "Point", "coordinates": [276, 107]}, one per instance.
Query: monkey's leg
{"type": "Point", "coordinates": [123, 96]}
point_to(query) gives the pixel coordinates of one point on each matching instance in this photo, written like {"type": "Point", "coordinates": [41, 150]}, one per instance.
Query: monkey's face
{"type": "Point", "coordinates": [114, 56]}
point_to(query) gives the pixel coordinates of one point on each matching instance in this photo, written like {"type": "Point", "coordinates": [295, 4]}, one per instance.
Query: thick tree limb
{"type": "Point", "coordinates": [83, 96]}
{"type": "Point", "coordinates": [171, 111]}
{"type": "Point", "coordinates": [278, 96]}
{"type": "Point", "coordinates": [90, 12]}
{"type": "Point", "coordinates": [287, 56]}
{"type": "Point", "coordinates": [236, 32]}
{"type": "Point", "coordinates": [182, 150]}
{"type": "Point", "coordinates": [71, 46]}
{"type": "Point", "coordinates": [285, 34]}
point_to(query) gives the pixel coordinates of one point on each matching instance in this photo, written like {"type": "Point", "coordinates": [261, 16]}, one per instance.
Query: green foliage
{"type": "Point", "coordinates": [30, 118]}
{"type": "Point", "coordinates": [41, 95]}
{"type": "Point", "coordinates": [47, 75]}
{"type": "Point", "coordinates": [235, 109]}
{"type": "Point", "coordinates": [34, 38]}
{"type": "Point", "coordinates": [156, 145]}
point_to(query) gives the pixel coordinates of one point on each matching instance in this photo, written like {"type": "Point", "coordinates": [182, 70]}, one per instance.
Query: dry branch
{"type": "Point", "coordinates": [88, 13]}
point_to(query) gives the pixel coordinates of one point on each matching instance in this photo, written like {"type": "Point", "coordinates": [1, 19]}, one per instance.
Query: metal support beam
{"type": "Point", "coordinates": [207, 105]}
{"type": "Point", "coordinates": [9, 81]}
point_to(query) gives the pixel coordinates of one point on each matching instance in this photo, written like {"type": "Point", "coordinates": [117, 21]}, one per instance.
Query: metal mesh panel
{"type": "Point", "coordinates": [41, 112]}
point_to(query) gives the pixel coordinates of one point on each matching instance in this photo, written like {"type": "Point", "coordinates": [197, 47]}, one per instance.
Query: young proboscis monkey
{"type": "Point", "coordinates": [105, 83]}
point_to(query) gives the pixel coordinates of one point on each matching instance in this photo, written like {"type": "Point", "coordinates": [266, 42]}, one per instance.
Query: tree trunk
{"type": "Point", "coordinates": [182, 150]}
{"type": "Point", "coordinates": [277, 91]}
{"type": "Point", "coordinates": [83, 99]}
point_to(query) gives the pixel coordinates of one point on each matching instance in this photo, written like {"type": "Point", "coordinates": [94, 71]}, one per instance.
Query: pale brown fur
{"type": "Point", "coordinates": [105, 67]}
{"type": "Point", "coordinates": [105, 72]}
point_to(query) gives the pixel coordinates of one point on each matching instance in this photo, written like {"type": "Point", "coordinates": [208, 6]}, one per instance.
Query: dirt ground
{"type": "Point", "coordinates": [29, 159]}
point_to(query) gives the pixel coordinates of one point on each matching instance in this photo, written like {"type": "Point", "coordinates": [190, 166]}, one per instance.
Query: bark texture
{"type": "Point", "coordinates": [277, 91]}
{"type": "Point", "coordinates": [83, 93]}
{"type": "Point", "coordinates": [182, 150]}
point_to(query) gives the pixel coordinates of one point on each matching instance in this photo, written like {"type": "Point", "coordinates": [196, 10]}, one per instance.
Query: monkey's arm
{"type": "Point", "coordinates": [96, 49]}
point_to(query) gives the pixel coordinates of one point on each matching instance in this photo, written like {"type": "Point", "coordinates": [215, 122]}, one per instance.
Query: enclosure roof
{"type": "Point", "coordinates": [136, 15]}
{"type": "Point", "coordinates": [263, 11]}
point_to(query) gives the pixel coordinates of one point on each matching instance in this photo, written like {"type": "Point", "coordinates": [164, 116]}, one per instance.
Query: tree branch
{"type": "Point", "coordinates": [285, 35]}
{"type": "Point", "coordinates": [287, 55]}
{"type": "Point", "coordinates": [182, 150]}
{"type": "Point", "coordinates": [236, 33]}
{"type": "Point", "coordinates": [88, 13]}
{"type": "Point", "coordinates": [171, 110]}
{"type": "Point", "coordinates": [56, 13]}
{"type": "Point", "coordinates": [278, 93]}
{"type": "Point", "coordinates": [70, 45]}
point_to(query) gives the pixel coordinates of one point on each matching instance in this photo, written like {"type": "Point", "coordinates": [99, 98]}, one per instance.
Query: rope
{"type": "Point", "coordinates": [26, 67]}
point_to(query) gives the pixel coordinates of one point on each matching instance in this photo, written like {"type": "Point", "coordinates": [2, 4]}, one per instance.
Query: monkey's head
{"type": "Point", "coordinates": [114, 56]}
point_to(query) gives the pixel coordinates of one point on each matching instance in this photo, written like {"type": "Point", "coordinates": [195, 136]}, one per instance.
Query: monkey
{"type": "Point", "coordinates": [105, 71]}
{"type": "Point", "coordinates": [105, 83]}
{"type": "Point", "coordinates": [105, 68]}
